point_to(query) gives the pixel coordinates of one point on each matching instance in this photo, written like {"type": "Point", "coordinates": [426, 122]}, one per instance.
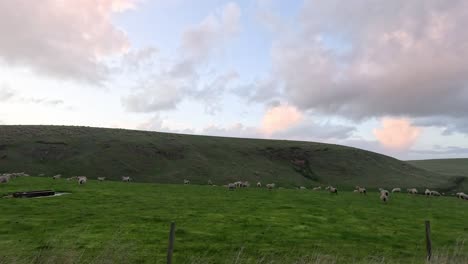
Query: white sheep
{"type": "Point", "coordinates": [394, 190]}
{"type": "Point", "coordinates": [186, 181]}
{"type": "Point", "coordinates": [245, 184]}
{"type": "Point", "coordinates": [435, 193]}
{"type": "Point", "coordinates": [317, 188]}
{"type": "Point", "coordinates": [126, 178]}
{"type": "Point", "coordinates": [238, 184]}
{"type": "Point", "coordinates": [332, 189]}
{"type": "Point", "coordinates": [56, 177]}
{"type": "Point", "coordinates": [231, 186]}
{"type": "Point", "coordinates": [101, 178]}
{"type": "Point", "coordinates": [259, 184]}
{"type": "Point", "coordinates": [383, 191]}
{"type": "Point", "coordinates": [383, 197]}
{"type": "Point", "coordinates": [361, 190]}
{"type": "Point", "coordinates": [4, 179]}
{"type": "Point", "coordinates": [302, 188]}
{"type": "Point", "coordinates": [427, 192]}
{"type": "Point", "coordinates": [82, 179]}
{"type": "Point", "coordinates": [461, 195]}
{"type": "Point", "coordinates": [412, 191]}
{"type": "Point", "coordinates": [270, 186]}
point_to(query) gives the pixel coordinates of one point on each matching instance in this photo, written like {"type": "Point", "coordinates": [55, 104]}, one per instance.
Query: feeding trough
{"type": "Point", "coordinates": [32, 194]}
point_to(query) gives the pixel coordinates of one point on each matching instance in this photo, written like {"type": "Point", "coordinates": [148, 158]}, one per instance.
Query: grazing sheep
{"type": "Point", "coordinates": [464, 196]}
{"type": "Point", "coordinates": [361, 190]}
{"type": "Point", "coordinates": [332, 189]}
{"type": "Point", "coordinates": [383, 197]}
{"type": "Point", "coordinates": [126, 178]}
{"type": "Point", "coordinates": [231, 186]}
{"type": "Point", "coordinates": [245, 184]}
{"type": "Point", "coordinates": [101, 178]}
{"type": "Point", "coordinates": [238, 184]}
{"type": "Point", "coordinates": [82, 179]}
{"type": "Point", "coordinates": [270, 186]}
{"type": "Point", "coordinates": [387, 193]}
{"type": "Point", "coordinates": [435, 193]}
{"type": "Point", "coordinates": [259, 184]}
{"type": "Point", "coordinates": [186, 181]}
{"type": "Point", "coordinates": [210, 182]}
{"type": "Point", "coordinates": [302, 188]}
{"type": "Point", "coordinates": [56, 177]}
{"type": "Point", "coordinates": [394, 190]}
{"type": "Point", "coordinates": [460, 195]}
{"type": "Point", "coordinates": [4, 179]}
{"type": "Point", "coordinates": [317, 188]}
{"type": "Point", "coordinates": [412, 191]}
{"type": "Point", "coordinates": [356, 191]}
{"type": "Point", "coordinates": [427, 192]}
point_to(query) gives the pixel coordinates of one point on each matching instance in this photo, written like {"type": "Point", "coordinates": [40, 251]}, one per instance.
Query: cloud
{"type": "Point", "coordinates": [397, 134]}
{"type": "Point", "coordinates": [449, 125]}
{"type": "Point", "coordinates": [64, 39]}
{"type": "Point", "coordinates": [171, 83]}
{"type": "Point", "coordinates": [363, 59]}
{"type": "Point", "coordinates": [279, 118]}
{"type": "Point", "coordinates": [6, 93]}
{"type": "Point", "coordinates": [313, 131]}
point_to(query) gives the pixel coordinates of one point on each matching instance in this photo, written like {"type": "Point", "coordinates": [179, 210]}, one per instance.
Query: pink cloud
{"type": "Point", "coordinates": [397, 133]}
{"type": "Point", "coordinates": [279, 118]}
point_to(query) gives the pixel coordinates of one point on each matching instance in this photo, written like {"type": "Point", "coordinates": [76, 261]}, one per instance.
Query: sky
{"type": "Point", "coordinates": [385, 76]}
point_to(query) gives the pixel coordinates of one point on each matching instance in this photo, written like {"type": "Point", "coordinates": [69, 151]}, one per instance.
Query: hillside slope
{"type": "Point", "coordinates": [170, 158]}
{"type": "Point", "coordinates": [457, 168]}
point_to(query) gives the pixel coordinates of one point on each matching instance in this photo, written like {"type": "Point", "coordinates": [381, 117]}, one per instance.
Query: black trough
{"type": "Point", "coordinates": [32, 194]}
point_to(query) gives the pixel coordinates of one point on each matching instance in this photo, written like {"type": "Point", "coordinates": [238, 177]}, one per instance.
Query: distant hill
{"type": "Point", "coordinates": [450, 167]}
{"type": "Point", "coordinates": [170, 158]}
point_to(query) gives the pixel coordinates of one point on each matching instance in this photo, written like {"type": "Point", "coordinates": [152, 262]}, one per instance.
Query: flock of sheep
{"type": "Point", "coordinates": [384, 194]}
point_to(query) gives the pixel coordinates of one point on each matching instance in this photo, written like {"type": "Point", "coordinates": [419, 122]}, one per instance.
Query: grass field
{"type": "Point", "coordinates": [114, 222]}
{"type": "Point", "coordinates": [170, 158]}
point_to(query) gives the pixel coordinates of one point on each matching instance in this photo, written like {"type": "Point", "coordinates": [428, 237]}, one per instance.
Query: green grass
{"type": "Point", "coordinates": [170, 158]}
{"type": "Point", "coordinates": [114, 222]}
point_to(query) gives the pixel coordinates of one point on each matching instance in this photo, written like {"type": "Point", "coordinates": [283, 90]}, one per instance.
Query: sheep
{"type": "Point", "coordinates": [259, 184]}
{"type": "Point", "coordinates": [82, 179]}
{"type": "Point", "coordinates": [461, 195]}
{"type": "Point", "coordinates": [302, 188]}
{"type": "Point", "coordinates": [427, 192]}
{"type": "Point", "coordinates": [210, 182]}
{"type": "Point", "coordinates": [387, 193]}
{"type": "Point", "coordinates": [412, 191]}
{"type": "Point", "coordinates": [356, 191]}
{"type": "Point", "coordinates": [394, 190]}
{"type": "Point", "coordinates": [332, 189]}
{"type": "Point", "coordinates": [245, 184]}
{"type": "Point", "coordinates": [186, 181]}
{"type": "Point", "coordinates": [231, 186]}
{"type": "Point", "coordinates": [101, 178]}
{"type": "Point", "coordinates": [464, 196]}
{"type": "Point", "coordinates": [56, 177]}
{"type": "Point", "coordinates": [4, 179]}
{"type": "Point", "coordinates": [435, 193]}
{"type": "Point", "coordinates": [383, 197]}
{"type": "Point", "coordinates": [270, 186]}
{"type": "Point", "coordinates": [238, 184]}
{"type": "Point", "coordinates": [317, 188]}
{"type": "Point", "coordinates": [126, 178]}
{"type": "Point", "coordinates": [361, 190]}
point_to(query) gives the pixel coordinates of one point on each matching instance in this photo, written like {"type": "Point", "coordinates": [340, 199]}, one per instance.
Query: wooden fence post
{"type": "Point", "coordinates": [170, 248]}
{"type": "Point", "coordinates": [428, 240]}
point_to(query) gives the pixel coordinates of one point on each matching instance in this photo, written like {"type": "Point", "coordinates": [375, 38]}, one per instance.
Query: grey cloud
{"type": "Point", "coordinates": [6, 93]}
{"type": "Point", "coordinates": [449, 125]}
{"type": "Point", "coordinates": [450, 150]}
{"type": "Point", "coordinates": [362, 59]}
{"type": "Point", "coordinates": [68, 42]}
{"type": "Point", "coordinates": [178, 80]}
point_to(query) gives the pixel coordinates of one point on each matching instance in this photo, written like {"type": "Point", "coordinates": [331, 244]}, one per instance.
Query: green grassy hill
{"type": "Point", "coordinates": [170, 158]}
{"type": "Point", "coordinates": [455, 168]}
{"type": "Point", "coordinates": [116, 222]}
